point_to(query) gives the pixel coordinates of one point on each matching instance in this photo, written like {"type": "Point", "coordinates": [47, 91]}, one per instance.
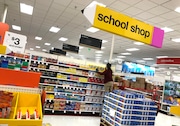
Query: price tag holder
{"type": "Point", "coordinates": [93, 112]}
{"type": "Point", "coordinates": [64, 111]}
{"type": "Point", "coordinates": [52, 111]}
{"type": "Point", "coordinates": [15, 42]}
{"type": "Point", "coordinates": [75, 112]}
{"type": "Point", "coordinates": [67, 101]}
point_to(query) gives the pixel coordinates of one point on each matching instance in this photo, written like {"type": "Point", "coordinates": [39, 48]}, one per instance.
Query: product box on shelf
{"type": "Point", "coordinates": [128, 108]}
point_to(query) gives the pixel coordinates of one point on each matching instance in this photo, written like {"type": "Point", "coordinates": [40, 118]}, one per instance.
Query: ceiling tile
{"type": "Point", "coordinates": [145, 5]}
{"type": "Point", "coordinates": [145, 15]}
{"type": "Point", "coordinates": [132, 11]}
{"type": "Point", "coordinates": [159, 1]}
{"type": "Point", "coordinates": [157, 19]}
{"type": "Point", "coordinates": [119, 6]}
{"type": "Point", "coordinates": [159, 10]}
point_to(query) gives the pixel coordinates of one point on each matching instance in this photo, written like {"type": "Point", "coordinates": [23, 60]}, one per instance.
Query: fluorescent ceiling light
{"type": "Point", "coordinates": [44, 50]}
{"type": "Point", "coordinates": [140, 61]}
{"type": "Point", "coordinates": [138, 43]}
{"type": "Point", "coordinates": [15, 27]}
{"type": "Point", "coordinates": [104, 41]}
{"type": "Point", "coordinates": [162, 68]}
{"type": "Point", "coordinates": [63, 39]}
{"type": "Point", "coordinates": [48, 44]}
{"type": "Point", "coordinates": [98, 57]}
{"type": "Point", "coordinates": [121, 56]}
{"type": "Point", "coordinates": [176, 71]}
{"type": "Point", "coordinates": [132, 49]}
{"type": "Point", "coordinates": [38, 38]}
{"type": "Point", "coordinates": [125, 53]}
{"type": "Point", "coordinates": [31, 49]}
{"type": "Point", "coordinates": [27, 9]}
{"type": "Point", "coordinates": [177, 9]}
{"type": "Point", "coordinates": [54, 29]}
{"type": "Point", "coordinates": [106, 61]}
{"type": "Point", "coordinates": [176, 40]}
{"type": "Point", "coordinates": [166, 29]}
{"type": "Point", "coordinates": [148, 59]}
{"type": "Point", "coordinates": [103, 47]}
{"type": "Point", "coordinates": [38, 47]}
{"type": "Point", "coordinates": [93, 3]}
{"type": "Point", "coordinates": [99, 52]}
{"type": "Point", "coordinates": [81, 47]}
{"type": "Point", "coordinates": [161, 56]}
{"type": "Point", "coordinates": [173, 68]}
{"type": "Point", "coordinates": [154, 65]}
{"type": "Point", "coordinates": [92, 29]}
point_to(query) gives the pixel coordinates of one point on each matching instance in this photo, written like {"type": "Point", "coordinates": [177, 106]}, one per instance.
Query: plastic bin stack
{"type": "Point", "coordinates": [122, 108]}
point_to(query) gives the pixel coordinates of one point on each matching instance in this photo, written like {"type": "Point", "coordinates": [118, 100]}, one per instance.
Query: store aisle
{"type": "Point", "coordinates": [165, 120]}
{"type": "Point", "coordinates": [161, 120]}
{"type": "Point", "coordinates": [72, 120]}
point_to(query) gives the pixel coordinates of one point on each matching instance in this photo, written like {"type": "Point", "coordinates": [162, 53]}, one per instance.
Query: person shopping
{"type": "Point", "coordinates": [108, 81]}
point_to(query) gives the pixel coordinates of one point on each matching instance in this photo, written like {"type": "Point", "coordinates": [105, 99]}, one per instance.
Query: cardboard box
{"type": "Point", "coordinates": [132, 85]}
{"type": "Point", "coordinates": [149, 86]}
{"type": "Point", "coordinates": [140, 80]}
{"type": "Point", "coordinates": [126, 83]}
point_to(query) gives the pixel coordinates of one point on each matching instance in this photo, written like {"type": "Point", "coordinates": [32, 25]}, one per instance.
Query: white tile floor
{"type": "Point", "coordinates": [161, 120]}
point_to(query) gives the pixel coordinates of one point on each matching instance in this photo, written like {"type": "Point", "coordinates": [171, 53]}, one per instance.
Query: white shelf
{"type": "Point", "coordinates": [52, 92]}
{"type": "Point", "coordinates": [67, 101]}
{"type": "Point", "coordinates": [71, 80]}
{"type": "Point", "coordinates": [165, 110]}
{"type": "Point", "coordinates": [71, 87]}
{"type": "Point", "coordinates": [138, 91]}
{"type": "Point", "coordinates": [160, 90]}
{"type": "Point", "coordinates": [35, 68]}
{"type": "Point", "coordinates": [166, 104]}
{"type": "Point", "coordinates": [71, 111]}
{"type": "Point", "coordinates": [61, 65]}
{"type": "Point", "coordinates": [15, 57]}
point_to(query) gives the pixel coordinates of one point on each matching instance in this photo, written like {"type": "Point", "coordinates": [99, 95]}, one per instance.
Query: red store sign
{"type": "Point", "coordinates": [168, 61]}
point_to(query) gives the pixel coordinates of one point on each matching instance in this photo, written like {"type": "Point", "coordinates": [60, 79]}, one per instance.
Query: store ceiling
{"type": "Point", "coordinates": [66, 14]}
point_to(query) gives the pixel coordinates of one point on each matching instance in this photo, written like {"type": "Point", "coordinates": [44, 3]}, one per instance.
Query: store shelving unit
{"type": "Point", "coordinates": [69, 87]}
{"type": "Point", "coordinates": [171, 95]}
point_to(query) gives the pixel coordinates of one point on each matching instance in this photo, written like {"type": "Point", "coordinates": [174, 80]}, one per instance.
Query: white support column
{"type": "Point", "coordinates": [5, 13]}
{"type": "Point", "coordinates": [112, 49]}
